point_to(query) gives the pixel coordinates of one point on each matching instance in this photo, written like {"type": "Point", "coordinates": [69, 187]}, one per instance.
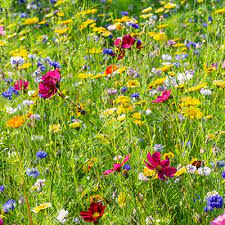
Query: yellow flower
{"type": "Point", "coordinates": [31, 21]}
{"type": "Point", "coordinates": [61, 31]}
{"type": "Point", "coordinates": [168, 155]}
{"type": "Point", "coordinates": [42, 22]}
{"type": "Point", "coordinates": [84, 75]}
{"type": "Point", "coordinates": [170, 6]}
{"type": "Point", "coordinates": [150, 173]}
{"type": "Point", "coordinates": [121, 118]}
{"type": "Point", "coordinates": [25, 66]}
{"type": "Point", "coordinates": [138, 122]}
{"type": "Point", "coordinates": [146, 10]}
{"type": "Point", "coordinates": [55, 128]}
{"type": "Point", "coordinates": [122, 100]}
{"type": "Point", "coordinates": [192, 113]}
{"type": "Point", "coordinates": [3, 43]}
{"type": "Point", "coordinates": [94, 51]}
{"type": "Point", "coordinates": [133, 83]}
{"type": "Point", "coordinates": [65, 21]}
{"type": "Point", "coordinates": [189, 101]}
{"type": "Point", "coordinates": [75, 124]}
{"type": "Point", "coordinates": [37, 209]}
{"type": "Point", "coordinates": [211, 69]}
{"type": "Point", "coordinates": [137, 115]}
{"type": "Point", "coordinates": [15, 122]}
{"type": "Point", "coordinates": [20, 52]}
{"type": "Point", "coordinates": [161, 26]}
{"type": "Point", "coordinates": [121, 199]}
{"type": "Point", "coordinates": [159, 10]}
{"type": "Point", "coordinates": [96, 198]}
{"type": "Point", "coordinates": [180, 171]}
{"type": "Point", "coordinates": [98, 76]}
{"type": "Point", "coordinates": [197, 88]}
{"type": "Point", "coordinates": [165, 68]}
{"type": "Point", "coordinates": [125, 108]}
{"type": "Point", "coordinates": [146, 16]}
{"type": "Point", "coordinates": [60, 14]}
{"type": "Point", "coordinates": [220, 11]}
{"type": "Point", "coordinates": [156, 83]}
{"type": "Point", "coordinates": [160, 37]}
{"type": "Point", "coordinates": [219, 83]}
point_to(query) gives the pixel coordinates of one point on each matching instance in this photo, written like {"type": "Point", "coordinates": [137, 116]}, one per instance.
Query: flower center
{"type": "Point", "coordinates": [159, 168]}
{"type": "Point", "coordinates": [96, 214]}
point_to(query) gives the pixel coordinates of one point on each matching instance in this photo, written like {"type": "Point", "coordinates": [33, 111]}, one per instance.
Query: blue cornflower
{"type": "Point", "coordinates": [208, 209]}
{"type": "Point", "coordinates": [124, 13]}
{"type": "Point", "coordinates": [2, 188]}
{"type": "Point", "coordinates": [55, 64]}
{"type": "Point", "coordinates": [41, 154]}
{"type": "Point", "coordinates": [9, 205]}
{"type": "Point", "coordinates": [33, 172]}
{"type": "Point", "coordinates": [135, 25]}
{"type": "Point", "coordinates": [223, 174]}
{"type": "Point", "coordinates": [126, 167]}
{"type": "Point", "coordinates": [108, 51]}
{"type": "Point", "coordinates": [123, 89]}
{"type": "Point", "coordinates": [215, 201]}
{"type": "Point", "coordinates": [158, 147]}
{"type": "Point", "coordinates": [135, 95]}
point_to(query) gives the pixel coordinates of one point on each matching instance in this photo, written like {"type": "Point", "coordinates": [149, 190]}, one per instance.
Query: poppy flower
{"type": "Point", "coordinates": [49, 84]}
{"type": "Point", "coordinates": [117, 167]}
{"type": "Point", "coordinates": [95, 211]}
{"type": "Point", "coordinates": [110, 69]}
{"type": "Point", "coordinates": [164, 97]}
{"type": "Point", "coordinates": [21, 85]}
{"type": "Point", "coordinates": [162, 167]}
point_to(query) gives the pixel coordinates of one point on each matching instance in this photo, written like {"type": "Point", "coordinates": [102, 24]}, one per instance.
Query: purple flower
{"type": "Point", "coordinates": [9, 205]}
{"type": "Point", "coordinates": [2, 188]}
{"type": "Point", "coordinates": [41, 154]}
{"type": "Point", "coordinates": [33, 172]}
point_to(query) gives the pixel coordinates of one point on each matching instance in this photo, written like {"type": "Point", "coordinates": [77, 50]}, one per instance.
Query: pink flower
{"type": "Point", "coordinates": [2, 32]}
{"type": "Point", "coordinates": [220, 220]}
{"type": "Point", "coordinates": [165, 96]}
{"type": "Point", "coordinates": [126, 42]}
{"type": "Point", "coordinates": [1, 221]}
{"type": "Point", "coordinates": [117, 167]}
{"type": "Point", "coordinates": [21, 85]}
{"type": "Point", "coordinates": [49, 84]}
{"type": "Point", "coordinates": [162, 167]}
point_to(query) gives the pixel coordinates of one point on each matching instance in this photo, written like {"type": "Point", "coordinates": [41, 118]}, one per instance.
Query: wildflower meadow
{"type": "Point", "coordinates": [112, 112]}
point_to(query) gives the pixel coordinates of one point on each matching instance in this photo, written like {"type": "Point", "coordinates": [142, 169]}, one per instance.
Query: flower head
{"type": "Point", "coordinates": [162, 167]}
{"type": "Point", "coordinates": [21, 85]}
{"type": "Point", "coordinates": [95, 211]}
{"type": "Point", "coordinates": [164, 97]}
{"type": "Point", "coordinates": [220, 220]}
{"type": "Point", "coordinates": [9, 205]}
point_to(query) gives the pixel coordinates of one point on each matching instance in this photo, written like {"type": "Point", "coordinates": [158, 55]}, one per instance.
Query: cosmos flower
{"type": "Point", "coordinates": [117, 167]}
{"type": "Point", "coordinates": [94, 213]}
{"type": "Point", "coordinates": [220, 220]}
{"type": "Point", "coordinates": [162, 167]}
{"type": "Point", "coordinates": [164, 97]}
{"type": "Point", "coordinates": [125, 42]}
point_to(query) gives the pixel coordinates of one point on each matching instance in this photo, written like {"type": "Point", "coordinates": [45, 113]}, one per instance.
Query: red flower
{"type": "Point", "coordinates": [110, 69]}
{"type": "Point", "coordinates": [95, 211]}
{"type": "Point", "coordinates": [49, 84]}
{"type": "Point", "coordinates": [164, 97]}
{"type": "Point", "coordinates": [126, 42]}
{"type": "Point", "coordinates": [162, 167]}
{"type": "Point", "coordinates": [117, 167]}
{"type": "Point", "coordinates": [21, 85]}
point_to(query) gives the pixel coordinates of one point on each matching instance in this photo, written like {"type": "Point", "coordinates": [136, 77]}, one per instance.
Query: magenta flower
{"type": "Point", "coordinates": [164, 97]}
{"type": "Point", "coordinates": [21, 85]}
{"type": "Point", "coordinates": [117, 167]}
{"type": "Point", "coordinates": [126, 42]}
{"type": "Point", "coordinates": [220, 220]}
{"type": "Point", "coordinates": [49, 84]}
{"type": "Point", "coordinates": [162, 167]}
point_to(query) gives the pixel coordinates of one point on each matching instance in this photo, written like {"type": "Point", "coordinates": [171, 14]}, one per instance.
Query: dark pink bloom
{"type": "Point", "coordinates": [220, 220]}
{"type": "Point", "coordinates": [165, 96]}
{"type": "Point", "coordinates": [49, 84]}
{"type": "Point", "coordinates": [1, 221]}
{"type": "Point", "coordinates": [126, 42]}
{"type": "Point", "coordinates": [162, 167]}
{"type": "Point", "coordinates": [2, 32]}
{"type": "Point", "coordinates": [117, 167]}
{"type": "Point", "coordinates": [21, 85]}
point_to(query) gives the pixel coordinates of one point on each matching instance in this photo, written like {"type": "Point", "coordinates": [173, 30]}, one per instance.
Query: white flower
{"type": "Point", "coordinates": [205, 91]}
{"type": "Point", "coordinates": [182, 77]}
{"type": "Point", "coordinates": [116, 158]}
{"type": "Point", "coordinates": [166, 57]}
{"type": "Point", "coordinates": [28, 102]}
{"type": "Point", "coordinates": [204, 171]}
{"type": "Point", "coordinates": [31, 93]}
{"type": "Point", "coordinates": [149, 220]}
{"type": "Point", "coordinates": [111, 27]}
{"type": "Point", "coordinates": [148, 111]}
{"type": "Point", "coordinates": [37, 138]}
{"type": "Point", "coordinates": [191, 169]}
{"type": "Point", "coordinates": [11, 110]}
{"type": "Point", "coordinates": [170, 81]}
{"type": "Point", "coordinates": [38, 185]}
{"type": "Point", "coordinates": [35, 117]}
{"type": "Point", "coordinates": [142, 177]}
{"type": "Point", "coordinates": [62, 216]}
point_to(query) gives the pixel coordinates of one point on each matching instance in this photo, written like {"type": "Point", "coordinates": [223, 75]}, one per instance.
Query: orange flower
{"type": "Point", "coordinates": [110, 69]}
{"type": "Point", "coordinates": [15, 122]}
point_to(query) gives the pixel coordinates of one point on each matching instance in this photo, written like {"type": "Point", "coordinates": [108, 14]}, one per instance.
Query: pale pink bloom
{"type": "Point", "coordinates": [2, 32]}
{"type": "Point", "coordinates": [220, 220]}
